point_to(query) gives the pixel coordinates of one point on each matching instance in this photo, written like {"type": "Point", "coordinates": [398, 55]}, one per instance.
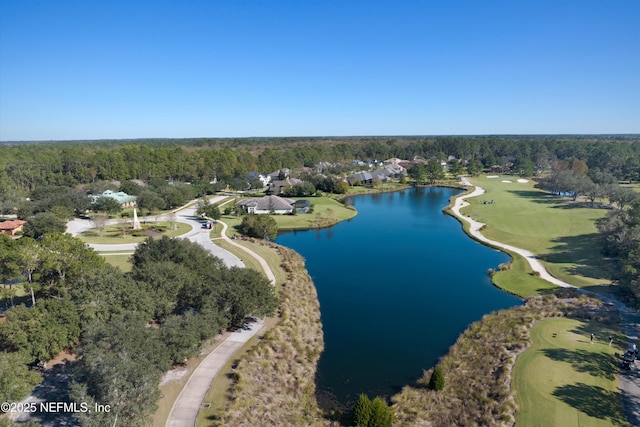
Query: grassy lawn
{"type": "Point", "coordinates": [634, 187]}
{"type": "Point", "coordinates": [390, 186]}
{"type": "Point", "coordinates": [113, 234]}
{"type": "Point", "coordinates": [326, 212]}
{"type": "Point", "coordinates": [561, 232]}
{"type": "Point", "coordinates": [564, 380]}
{"type": "Point", "coordinates": [118, 259]}
{"type": "Point", "coordinates": [519, 280]}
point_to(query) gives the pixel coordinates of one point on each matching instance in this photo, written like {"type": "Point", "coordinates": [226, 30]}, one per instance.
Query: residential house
{"type": "Point", "coordinates": [363, 177]}
{"type": "Point", "coordinates": [384, 174]}
{"type": "Point", "coordinates": [125, 200]}
{"type": "Point", "coordinates": [278, 186]}
{"type": "Point", "coordinates": [265, 179]}
{"type": "Point", "coordinates": [267, 205]}
{"type": "Point", "coordinates": [12, 228]}
{"type": "Point", "coordinates": [280, 174]}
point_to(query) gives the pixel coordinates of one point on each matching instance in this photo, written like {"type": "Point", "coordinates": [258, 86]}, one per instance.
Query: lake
{"type": "Point", "coordinates": [397, 285]}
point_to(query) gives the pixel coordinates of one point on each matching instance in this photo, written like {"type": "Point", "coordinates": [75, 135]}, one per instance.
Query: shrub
{"type": "Point", "coordinates": [504, 266]}
{"type": "Point", "coordinates": [372, 413]}
{"type": "Point", "coordinates": [437, 379]}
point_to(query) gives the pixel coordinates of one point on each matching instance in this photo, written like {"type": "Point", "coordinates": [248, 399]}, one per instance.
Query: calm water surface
{"type": "Point", "coordinates": [397, 284]}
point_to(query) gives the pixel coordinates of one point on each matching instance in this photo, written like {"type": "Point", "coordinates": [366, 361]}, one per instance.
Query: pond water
{"type": "Point", "coordinates": [397, 285]}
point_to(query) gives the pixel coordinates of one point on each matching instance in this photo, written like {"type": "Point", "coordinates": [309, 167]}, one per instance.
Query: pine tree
{"type": "Point", "coordinates": [437, 379]}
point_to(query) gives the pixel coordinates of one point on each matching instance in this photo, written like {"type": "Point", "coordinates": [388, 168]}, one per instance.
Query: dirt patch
{"type": "Point", "coordinates": [175, 374]}
{"type": "Point", "coordinates": [62, 357]}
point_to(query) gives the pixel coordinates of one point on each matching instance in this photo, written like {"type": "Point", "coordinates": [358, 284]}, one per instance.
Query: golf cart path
{"type": "Point", "coordinates": [629, 380]}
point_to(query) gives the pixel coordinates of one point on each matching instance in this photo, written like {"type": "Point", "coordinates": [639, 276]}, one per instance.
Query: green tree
{"type": "Point", "coordinates": [64, 259]}
{"type": "Point", "coordinates": [42, 331]}
{"type": "Point", "coordinates": [9, 258]}
{"type": "Point", "coordinates": [17, 380]}
{"type": "Point", "coordinates": [121, 363]}
{"type": "Point", "coordinates": [474, 167]}
{"type": "Point", "coordinates": [523, 166]}
{"type": "Point", "coordinates": [249, 294]}
{"type": "Point", "coordinates": [381, 414]}
{"type": "Point", "coordinates": [372, 413]}
{"type": "Point", "coordinates": [437, 379]}
{"type": "Point", "coordinates": [362, 411]}
{"type": "Point", "coordinates": [434, 171]}
{"type": "Point", "coordinates": [260, 226]}
{"type": "Point", "coordinates": [106, 204]}
{"type": "Point", "coordinates": [43, 223]}
{"type": "Point", "coordinates": [418, 173]}
{"type": "Point", "coordinates": [150, 200]}
{"type": "Point", "coordinates": [130, 187]}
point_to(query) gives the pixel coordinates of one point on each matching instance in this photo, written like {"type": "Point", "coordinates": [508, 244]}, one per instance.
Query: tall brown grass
{"type": "Point", "coordinates": [478, 367]}
{"type": "Point", "coordinates": [275, 382]}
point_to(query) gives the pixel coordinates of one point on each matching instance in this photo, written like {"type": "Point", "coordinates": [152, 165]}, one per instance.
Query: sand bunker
{"type": "Point", "coordinates": [523, 181]}
{"type": "Point", "coordinates": [506, 181]}
{"type": "Point", "coordinates": [492, 176]}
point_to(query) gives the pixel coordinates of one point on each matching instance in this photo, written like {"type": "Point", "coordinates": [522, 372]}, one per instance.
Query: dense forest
{"type": "Point", "coordinates": [25, 167]}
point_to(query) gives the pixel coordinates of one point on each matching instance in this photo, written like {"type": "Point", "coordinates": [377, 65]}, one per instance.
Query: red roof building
{"type": "Point", "coordinates": [11, 227]}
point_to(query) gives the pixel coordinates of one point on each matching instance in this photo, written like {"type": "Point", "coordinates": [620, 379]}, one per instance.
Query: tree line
{"type": "Point", "coordinates": [127, 329]}
{"type": "Point", "coordinates": [25, 167]}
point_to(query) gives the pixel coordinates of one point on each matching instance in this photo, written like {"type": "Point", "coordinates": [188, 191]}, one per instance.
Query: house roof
{"type": "Point", "coordinates": [267, 203]}
{"type": "Point", "coordinates": [12, 225]}
{"type": "Point", "coordinates": [285, 183]}
{"type": "Point", "coordinates": [361, 176]}
{"type": "Point", "coordinates": [120, 197]}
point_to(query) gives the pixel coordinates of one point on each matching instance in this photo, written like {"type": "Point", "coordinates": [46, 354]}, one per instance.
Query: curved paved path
{"type": "Point", "coordinates": [184, 411]}
{"type": "Point", "coordinates": [186, 407]}
{"type": "Point", "coordinates": [185, 214]}
{"type": "Point", "coordinates": [629, 380]}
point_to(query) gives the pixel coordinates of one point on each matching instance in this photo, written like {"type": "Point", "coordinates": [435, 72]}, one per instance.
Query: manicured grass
{"type": "Point", "coordinates": [120, 260]}
{"type": "Point", "coordinates": [391, 186]}
{"type": "Point", "coordinates": [561, 232]}
{"type": "Point", "coordinates": [519, 280]}
{"type": "Point", "coordinates": [564, 380]}
{"type": "Point", "coordinates": [272, 258]}
{"type": "Point", "coordinates": [113, 234]}
{"type": "Point", "coordinates": [634, 187]}
{"type": "Point", "coordinates": [326, 212]}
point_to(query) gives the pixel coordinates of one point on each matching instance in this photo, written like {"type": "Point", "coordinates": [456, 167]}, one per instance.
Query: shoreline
{"type": "Point", "coordinates": [473, 229]}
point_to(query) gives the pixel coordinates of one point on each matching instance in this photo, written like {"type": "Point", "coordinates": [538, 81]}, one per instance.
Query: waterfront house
{"type": "Point", "coordinates": [267, 205]}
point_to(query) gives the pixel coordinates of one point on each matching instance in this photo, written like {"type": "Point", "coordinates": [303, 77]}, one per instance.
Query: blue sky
{"type": "Point", "coordinates": [135, 69]}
